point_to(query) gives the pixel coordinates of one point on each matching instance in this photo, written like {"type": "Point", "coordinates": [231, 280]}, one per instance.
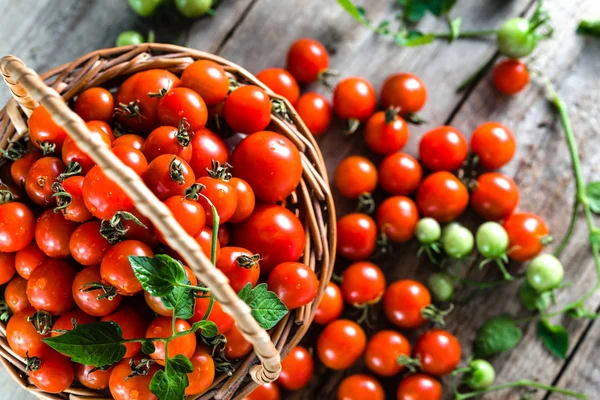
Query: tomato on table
{"type": "Point", "coordinates": [316, 112]}
{"type": "Point", "coordinates": [354, 176]}
{"type": "Point", "coordinates": [331, 306]}
{"type": "Point", "coordinates": [443, 149]}
{"type": "Point", "coordinates": [356, 236]}
{"type": "Point", "coordinates": [442, 196]}
{"type": "Point", "coordinates": [527, 235]}
{"type": "Point", "coordinates": [405, 91]}
{"type": "Point", "coordinates": [360, 387]}
{"type": "Point", "coordinates": [95, 104]}
{"type": "Point", "coordinates": [208, 79]}
{"type": "Point", "coordinates": [419, 386]}
{"type": "Point", "coordinates": [510, 76]}
{"type": "Point", "coordinates": [281, 82]}
{"type": "Point", "coordinates": [495, 196]}
{"type": "Point", "coordinates": [386, 132]}
{"type": "Point", "coordinates": [354, 99]}
{"type": "Point", "coordinates": [341, 344]}
{"type": "Point", "coordinates": [307, 60]}
{"type": "Point", "coordinates": [363, 283]}
{"type": "Point", "coordinates": [404, 301]}
{"type": "Point", "coordinates": [438, 352]}
{"type": "Point", "coordinates": [494, 144]}
{"type": "Point", "coordinates": [296, 369]}
{"type": "Point", "coordinates": [397, 218]}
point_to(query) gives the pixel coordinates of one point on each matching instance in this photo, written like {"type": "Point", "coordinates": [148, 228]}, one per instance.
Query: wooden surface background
{"type": "Point", "coordinates": [257, 33]}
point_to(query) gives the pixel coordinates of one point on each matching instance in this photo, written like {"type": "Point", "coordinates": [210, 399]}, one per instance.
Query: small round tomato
{"type": "Point", "coordinates": [397, 218]}
{"type": "Point", "coordinates": [217, 192]}
{"type": "Point", "coordinates": [7, 267]}
{"type": "Point", "coordinates": [240, 266]}
{"type": "Point", "coordinates": [217, 315]}
{"type": "Point", "coordinates": [315, 111]}
{"type": "Point", "coordinates": [495, 197]}
{"type": "Point", "coordinates": [17, 227]}
{"type": "Point", "coordinates": [245, 200]}
{"type": "Point", "coordinates": [307, 59]}
{"type": "Point", "coordinates": [294, 283]}
{"type": "Point", "coordinates": [181, 103]}
{"type": "Point", "coordinates": [517, 38]}
{"type": "Point", "coordinates": [457, 241]}
{"type": "Point", "coordinates": [51, 372]}
{"type": "Point", "coordinates": [131, 157]}
{"type": "Point", "coordinates": [102, 196]}
{"type": "Point", "coordinates": [481, 374]}
{"type": "Point", "coordinates": [70, 199]}
{"type": "Point", "coordinates": [438, 352]}
{"type": "Point", "coordinates": [44, 133]}
{"type": "Point", "coordinates": [22, 336]}
{"type": "Point", "coordinates": [383, 350]}
{"type": "Point", "coordinates": [236, 346]}
{"type": "Point", "coordinates": [356, 236]}
{"type": "Point", "coordinates": [270, 163]}
{"type": "Point", "coordinates": [91, 295]}
{"type": "Point", "coordinates": [203, 375]}
{"type": "Point", "coordinates": [386, 132]}
{"type": "Point", "coordinates": [405, 91]}
{"type": "Point", "coordinates": [527, 234]}
{"type": "Point", "coordinates": [272, 231]}
{"type": "Point", "coordinates": [133, 326]}
{"type": "Point", "coordinates": [208, 79]}
{"type": "Point", "coordinates": [123, 383]}
{"type": "Point", "coordinates": [168, 175]}
{"type": "Point", "coordinates": [441, 286]}
{"type": "Point", "coordinates": [443, 149]}
{"type": "Point", "coordinates": [354, 99]}
{"type": "Point", "coordinates": [71, 152]}
{"type": "Point", "coordinates": [419, 386]}
{"type": "Point", "coordinates": [169, 140]}
{"type": "Point", "coordinates": [428, 231]}
{"type": "Point", "coordinates": [544, 273]}
{"type": "Point", "coordinates": [331, 306]}
{"type": "Point", "coordinates": [360, 387]}
{"type": "Point", "coordinates": [281, 82]}
{"type": "Point", "coordinates": [510, 76]}
{"type": "Point", "coordinates": [65, 322]}
{"type": "Point", "coordinates": [223, 235]}
{"type": "Point", "coordinates": [296, 369]}
{"type": "Point", "coordinates": [161, 328]}
{"type": "Point", "coordinates": [15, 294]}
{"type": "Point", "coordinates": [20, 167]}
{"type": "Point", "coordinates": [91, 377]}
{"type": "Point", "coordinates": [49, 287]}
{"type": "Point", "coordinates": [116, 270]}
{"type": "Point", "coordinates": [404, 302]}
{"type": "Point", "coordinates": [95, 104]}
{"type": "Point", "coordinates": [52, 234]}
{"type": "Point", "coordinates": [207, 147]}
{"type": "Point", "coordinates": [39, 180]}
{"type": "Point", "coordinates": [354, 176]}
{"type": "Point", "coordinates": [494, 144]}
{"type": "Point", "coordinates": [247, 109]}
{"type": "Point", "coordinates": [442, 196]}
{"type": "Point", "coordinates": [156, 304]}
{"type": "Point", "coordinates": [86, 245]}
{"type": "Point", "coordinates": [189, 213]}
{"type": "Point", "coordinates": [363, 283]}
{"type": "Point", "coordinates": [268, 391]}
{"type": "Point", "coordinates": [27, 259]}
{"type": "Point", "coordinates": [341, 343]}
{"type": "Point", "coordinates": [131, 140]}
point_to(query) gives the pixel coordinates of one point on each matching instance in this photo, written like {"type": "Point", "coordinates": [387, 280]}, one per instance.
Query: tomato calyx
{"type": "Point", "coordinates": [279, 108]}
{"type": "Point", "coordinates": [73, 168]}
{"type": "Point", "coordinates": [130, 110]}
{"type": "Point", "coordinates": [32, 363]}
{"type": "Point", "coordinates": [383, 246]}
{"type": "Point", "coordinates": [109, 292]}
{"type": "Point", "coordinates": [176, 171]}
{"type": "Point", "coordinates": [63, 198]}
{"type": "Point", "coordinates": [436, 315]}
{"type": "Point", "coordinates": [193, 192]}
{"type": "Point", "coordinates": [219, 171]}
{"type": "Point", "coordinates": [233, 85]}
{"type": "Point", "coordinates": [353, 125]}
{"type": "Point", "coordinates": [161, 93]}
{"type": "Point", "coordinates": [16, 149]}
{"type": "Point", "coordinates": [248, 262]}
{"type": "Point", "coordinates": [113, 229]}
{"type": "Point", "coordinates": [391, 114]}
{"type": "Point", "coordinates": [5, 313]}
{"type": "Point", "coordinates": [47, 147]}
{"type": "Point", "coordinates": [184, 136]}
{"type": "Point", "coordinates": [366, 204]}
{"type": "Point", "coordinates": [411, 364]}
{"type": "Point", "coordinates": [324, 77]}
{"type": "Point", "coordinates": [6, 196]}
{"type": "Point", "coordinates": [217, 345]}
{"type": "Point", "coordinates": [41, 322]}
{"type": "Point", "coordinates": [142, 368]}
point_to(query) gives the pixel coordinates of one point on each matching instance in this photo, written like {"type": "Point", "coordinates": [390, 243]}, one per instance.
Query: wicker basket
{"type": "Point", "coordinates": [312, 200]}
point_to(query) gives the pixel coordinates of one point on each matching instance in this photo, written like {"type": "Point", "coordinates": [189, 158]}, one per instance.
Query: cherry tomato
{"type": "Point", "coordinates": [168, 140]}
{"type": "Point", "coordinates": [223, 320]}
{"type": "Point", "coordinates": [354, 176]}
{"type": "Point", "coordinates": [71, 152]}
{"type": "Point", "coordinates": [206, 147]}
{"type": "Point", "coordinates": [92, 378]}
{"type": "Point", "coordinates": [15, 294]}
{"type": "Point", "coordinates": [495, 197]}
{"type": "Point", "coordinates": [236, 346]}
{"type": "Point", "coordinates": [133, 326]}
{"type": "Point", "coordinates": [517, 38]}
{"type": "Point", "coordinates": [494, 144]}
{"type": "Point", "coordinates": [270, 163]}
{"type": "Point", "coordinates": [383, 350]}
{"type": "Point", "coordinates": [183, 345]}
{"type": "Point", "coordinates": [27, 259]}
{"type": "Point", "coordinates": [203, 375]}
{"type": "Point", "coordinates": [359, 387]}
{"type": "Point", "coordinates": [443, 149]}
{"type": "Point", "coordinates": [247, 109]}
{"type": "Point", "coordinates": [273, 232]}
{"type": "Point", "coordinates": [296, 369]}
{"type": "Point", "coordinates": [39, 180]}
{"type": "Point", "coordinates": [123, 386]}
{"type": "Point", "coordinates": [131, 157]}
{"type": "Point", "coordinates": [208, 79]}
{"type": "Point", "coordinates": [102, 196]}
{"type": "Point", "coordinates": [356, 236]}
{"type": "Point", "coordinates": [281, 82]}
{"type": "Point", "coordinates": [223, 235]}
{"type": "Point", "coordinates": [245, 200]}
{"type": "Point", "coordinates": [135, 141]}
{"type": "Point", "coordinates": [95, 104]}
{"type": "Point", "coordinates": [49, 287]}
{"type": "Point", "coordinates": [53, 374]}
{"type": "Point", "coordinates": [331, 306]}
{"type": "Point", "coordinates": [363, 283]}
{"type": "Point", "coordinates": [240, 266]}
{"type": "Point", "coordinates": [405, 91]}
{"type": "Point", "coordinates": [294, 283]}
{"type": "Point", "coordinates": [222, 196]}
{"type": "Point", "coordinates": [86, 244]}
{"type": "Point", "coordinates": [204, 239]}
{"type": "Point", "coordinates": [268, 391]}
{"type": "Point", "coordinates": [544, 273]}
{"type": "Point", "coordinates": [307, 59]}
{"type": "Point", "coordinates": [21, 335]}
{"type": "Point", "coordinates": [354, 99]}
{"type": "Point", "coordinates": [52, 233]}
{"type": "Point", "coordinates": [97, 302]}
{"type": "Point", "coordinates": [316, 112]}
{"type": "Point", "coordinates": [65, 322]}
{"type": "Point", "coordinates": [438, 352]}
{"type": "Point", "coordinates": [116, 270]}
{"type": "Point", "coordinates": [181, 103]}
{"type": "Point", "coordinates": [17, 227]}
{"type": "Point", "coordinates": [167, 176]}
{"type": "Point", "coordinates": [20, 167]}
{"type": "Point", "coordinates": [419, 386]}
{"type": "Point", "coordinates": [189, 213]}
{"type": "Point", "coordinates": [7, 267]}
{"type": "Point", "coordinates": [397, 218]}
{"type": "Point", "coordinates": [341, 343]}
{"type": "Point", "coordinates": [442, 196]}
{"type": "Point", "coordinates": [404, 302]}
{"type": "Point", "coordinates": [70, 200]}
{"type": "Point", "coordinates": [526, 234]}
{"type": "Point", "coordinates": [386, 132]}
{"type": "Point", "coordinates": [510, 76]}
{"type": "Point", "coordinates": [44, 133]}
{"type": "Point", "coordinates": [155, 303]}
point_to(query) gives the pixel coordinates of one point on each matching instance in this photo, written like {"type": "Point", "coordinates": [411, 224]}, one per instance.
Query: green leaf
{"type": "Point", "coordinates": [148, 347]}
{"type": "Point", "coordinates": [170, 383]}
{"type": "Point", "coordinates": [440, 7]}
{"type": "Point", "coordinates": [589, 27]}
{"type": "Point", "coordinates": [157, 275]}
{"type": "Point", "coordinates": [180, 364]}
{"type": "Point", "coordinates": [412, 38]}
{"type": "Point", "coordinates": [414, 10]}
{"type": "Point", "coordinates": [496, 335]}
{"type": "Point", "coordinates": [358, 13]}
{"type": "Point", "coordinates": [533, 300]}
{"type": "Point", "coordinates": [554, 337]}
{"type": "Point", "coordinates": [592, 192]}
{"type": "Point", "coordinates": [209, 328]}
{"type": "Point", "coordinates": [96, 343]}
{"type": "Point", "coordinates": [267, 308]}
{"type": "Point", "coordinates": [581, 312]}
{"type": "Point", "coordinates": [454, 25]}
{"type": "Point", "coordinates": [181, 300]}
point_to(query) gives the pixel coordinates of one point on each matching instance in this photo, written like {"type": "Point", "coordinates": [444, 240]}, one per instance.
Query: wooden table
{"type": "Point", "coordinates": [257, 33]}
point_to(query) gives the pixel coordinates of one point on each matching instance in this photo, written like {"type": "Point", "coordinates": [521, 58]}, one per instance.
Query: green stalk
{"type": "Point", "coordinates": [520, 383]}
{"type": "Point", "coordinates": [466, 34]}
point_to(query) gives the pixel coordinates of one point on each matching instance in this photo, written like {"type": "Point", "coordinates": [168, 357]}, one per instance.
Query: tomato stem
{"type": "Point", "coordinates": [465, 34]}
{"type": "Point", "coordinates": [520, 383]}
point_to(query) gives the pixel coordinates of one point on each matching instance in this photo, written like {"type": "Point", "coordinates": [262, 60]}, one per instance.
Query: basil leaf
{"type": "Point", "coordinates": [96, 343]}
{"type": "Point", "coordinates": [208, 328]}
{"type": "Point", "coordinates": [157, 275]}
{"type": "Point", "coordinates": [554, 337]}
{"type": "Point", "coordinates": [358, 13]}
{"type": "Point", "coordinates": [412, 38]}
{"type": "Point", "coordinates": [589, 27]}
{"type": "Point", "coordinates": [267, 308]}
{"type": "Point", "coordinates": [170, 383]}
{"type": "Point", "coordinates": [592, 192]}
{"type": "Point", "coordinates": [413, 10]}
{"type": "Point", "coordinates": [496, 335]}
{"type": "Point", "coordinates": [148, 347]}
{"type": "Point", "coordinates": [181, 300]}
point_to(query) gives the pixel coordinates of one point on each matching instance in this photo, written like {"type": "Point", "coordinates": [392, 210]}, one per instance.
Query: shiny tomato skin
{"type": "Point", "coordinates": [156, 304]}
{"type": "Point", "coordinates": [42, 129]}
{"type": "Point", "coordinates": [359, 387]}
{"type": "Point", "coordinates": [20, 167]}
{"type": "Point", "coordinates": [404, 90]}
{"type": "Point", "coordinates": [341, 344]}
{"type": "Point", "coordinates": [95, 104]}
{"type": "Point", "coordinates": [363, 283]}
{"type": "Point", "coordinates": [141, 233]}
{"type": "Point", "coordinates": [217, 315]}
{"type": "Point", "coordinates": [116, 270]}
{"type": "Point", "coordinates": [494, 144]}
{"type": "Point", "coordinates": [49, 287]}
{"type": "Point", "coordinates": [76, 211]}
{"type": "Point", "coordinates": [354, 98]}
{"type": "Point", "coordinates": [158, 176]}
{"type": "Point", "coordinates": [131, 157]}
{"type": "Point", "coordinates": [203, 375]}
{"type": "Point", "coordinates": [268, 391]}
{"type": "Point", "coordinates": [443, 149]}
{"type": "Point", "coordinates": [400, 174]}
{"type": "Point", "coordinates": [207, 146]}
{"type": "Point", "coordinates": [161, 328]}
{"type": "Point", "coordinates": [403, 303]}
{"type": "Point", "coordinates": [181, 103]}
{"type": "Point", "coordinates": [354, 176]}
{"type": "Point", "coordinates": [439, 352]}
{"type": "Point", "coordinates": [22, 337]}
{"type": "Point", "coordinates": [204, 239]}
{"type": "Point", "coordinates": [17, 226]}
{"type": "Point", "coordinates": [65, 322]}
{"type": "Point", "coordinates": [71, 152]}
{"type": "Point", "coordinates": [208, 79]}
{"type": "Point", "coordinates": [397, 218]}
{"type": "Point", "coordinates": [133, 326]}
{"type": "Point", "coordinates": [7, 267]}
{"type": "Point", "coordinates": [294, 283]}
{"type": "Point", "coordinates": [135, 141]}
{"type": "Point", "coordinates": [442, 196]}
{"type": "Point", "coordinates": [223, 235]}
{"type": "Point", "coordinates": [164, 140]}
{"type": "Point", "coordinates": [86, 245]}
{"type": "Point", "coordinates": [495, 196]}
{"type": "Point", "coordinates": [296, 369]}
{"type": "Point", "coordinates": [52, 234]}
{"type": "Point", "coordinates": [189, 213]}
{"type": "Point", "coordinates": [15, 294]}
{"type": "Point", "coordinates": [55, 373]}
{"type": "Point", "coordinates": [124, 387]}
{"type": "Point", "coordinates": [331, 305]}
{"type": "Point", "coordinates": [307, 59]}
{"type": "Point", "coordinates": [27, 259]}
{"type": "Point", "coordinates": [385, 136]}
{"type": "Point", "coordinates": [526, 232]}
{"type": "Point", "coordinates": [281, 82]}
{"type": "Point", "coordinates": [88, 301]}
{"type": "Point", "coordinates": [315, 111]}
{"type": "Point", "coordinates": [102, 196]}
{"type": "Point", "coordinates": [383, 350]}
{"type": "Point", "coordinates": [222, 196]}
{"type": "Point", "coordinates": [39, 180]}
{"type": "Point", "coordinates": [270, 163]}
{"type": "Point", "coordinates": [510, 76]}
{"type": "Point", "coordinates": [272, 231]}
{"type": "Point", "coordinates": [419, 386]}
{"type": "Point", "coordinates": [247, 109]}
{"type": "Point", "coordinates": [246, 200]}
{"type": "Point", "coordinates": [237, 346]}
{"type": "Point", "coordinates": [239, 276]}
{"type": "Point", "coordinates": [92, 378]}
{"type": "Point", "coordinates": [356, 236]}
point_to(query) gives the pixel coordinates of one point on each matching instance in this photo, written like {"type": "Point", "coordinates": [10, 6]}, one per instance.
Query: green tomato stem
{"type": "Point", "coordinates": [466, 34]}
{"type": "Point", "coordinates": [520, 383]}
{"type": "Point", "coordinates": [565, 240]}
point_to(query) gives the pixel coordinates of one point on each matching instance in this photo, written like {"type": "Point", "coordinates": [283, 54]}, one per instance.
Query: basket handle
{"type": "Point", "coordinates": [28, 89]}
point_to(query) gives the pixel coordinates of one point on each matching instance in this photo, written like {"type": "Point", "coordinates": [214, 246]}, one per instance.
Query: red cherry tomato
{"type": "Point", "coordinates": [359, 387]}
{"type": "Point", "coordinates": [98, 302]}
{"type": "Point", "coordinates": [168, 140]}
{"type": "Point", "coordinates": [295, 284]}
{"type": "Point", "coordinates": [15, 294]}
{"type": "Point", "coordinates": [17, 226]}
{"type": "Point", "coordinates": [99, 130]}
{"type": "Point", "coordinates": [270, 163]}
{"type": "Point", "coordinates": [208, 79]}
{"type": "Point", "coordinates": [245, 200]}
{"type": "Point", "coordinates": [102, 196]}
{"type": "Point", "coordinates": [316, 112]}
{"type": "Point", "coordinates": [122, 384]}
{"type": "Point", "coordinates": [237, 346]}
{"type": "Point", "coordinates": [383, 350]}
{"type": "Point", "coordinates": [44, 132]}
{"type": "Point", "coordinates": [404, 302]}
{"type": "Point", "coordinates": [354, 176]}
{"type": "Point", "coordinates": [307, 59]}
{"type": "Point", "coordinates": [86, 245]}
{"type": "Point", "coordinates": [203, 375]}
{"type": "Point", "coordinates": [354, 99]}
{"type": "Point", "coordinates": [189, 213]}
{"type": "Point", "coordinates": [397, 218]}
{"type": "Point", "coordinates": [27, 259]}
{"type": "Point", "coordinates": [142, 233]}
{"type": "Point", "coordinates": [167, 176]}
{"type": "Point", "coordinates": [495, 197]}
{"type": "Point", "coordinates": [331, 306]}
{"type": "Point", "coordinates": [131, 157]}
{"type": "Point", "coordinates": [52, 234]}
{"type": "Point", "coordinates": [53, 374]}
{"type": "Point", "coordinates": [65, 322]}
{"type": "Point", "coordinates": [7, 267]}
{"type": "Point", "coordinates": [131, 140]}
{"type": "Point", "coordinates": [341, 343]}
{"type": "Point", "coordinates": [356, 236]}
{"type": "Point", "coordinates": [181, 103]}
{"type": "Point", "coordinates": [247, 109]}
{"type": "Point", "coordinates": [223, 320]}
{"type": "Point", "coordinates": [21, 335]}
{"type": "Point", "coordinates": [268, 391]}
{"type": "Point", "coordinates": [206, 147]}
{"type": "Point", "coordinates": [494, 144]}
{"type": "Point", "coordinates": [442, 196]}
{"type": "Point", "coordinates": [386, 132]}
{"type": "Point", "coordinates": [95, 104]}
{"type": "Point", "coordinates": [296, 369]}
{"type": "Point", "coordinates": [223, 235]}
{"type": "Point", "coordinates": [510, 76]}
{"type": "Point", "coordinates": [91, 377]}
{"type": "Point", "coordinates": [49, 287]}
{"type": "Point", "coordinates": [155, 303]}
{"type": "Point", "coordinates": [281, 82]}
{"type": "Point", "coordinates": [419, 386]}
{"type": "Point", "coordinates": [133, 326]}
{"type": "Point", "coordinates": [39, 180]}
{"type": "Point", "coordinates": [75, 210]}
{"type": "Point", "coordinates": [204, 239]}
{"type": "Point", "coordinates": [526, 234]}
{"type": "Point", "coordinates": [116, 270]}
{"type": "Point", "coordinates": [363, 283]}
{"type": "Point", "coordinates": [240, 266]}
{"type": "Point", "coordinates": [20, 167]}
{"type": "Point", "coordinates": [222, 196]}
{"type": "Point", "coordinates": [400, 174]}
{"type": "Point", "coordinates": [443, 149]}
{"type": "Point", "coordinates": [161, 328]}
{"type": "Point", "coordinates": [405, 91]}
{"type": "Point", "coordinates": [438, 352]}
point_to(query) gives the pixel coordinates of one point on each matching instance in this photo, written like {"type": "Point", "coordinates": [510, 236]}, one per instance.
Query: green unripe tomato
{"type": "Point", "coordinates": [428, 231]}
{"type": "Point", "coordinates": [129, 37]}
{"type": "Point", "coordinates": [193, 8]}
{"type": "Point", "coordinates": [481, 374]}
{"type": "Point", "coordinates": [457, 241]}
{"type": "Point", "coordinates": [144, 8]}
{"type": "Point", "coordinates": [492, 240]}
{"type": "Point", "coordinates": [514, 38]}
{"type": "Point", "coordinates": [545, 272]}
{"type": "Point", "coordinates": [531, 299]}
{"type": "Point", "coordinates": [441, 285]}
